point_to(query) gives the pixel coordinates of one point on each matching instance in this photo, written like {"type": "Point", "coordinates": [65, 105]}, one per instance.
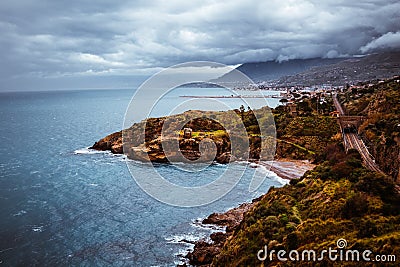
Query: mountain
{"type": "Point", "coordinates": [317, 71]}
{"type": "Point", "coordinates": [352, 70]}
{"type": "Point", "coordinates": [273, 70]}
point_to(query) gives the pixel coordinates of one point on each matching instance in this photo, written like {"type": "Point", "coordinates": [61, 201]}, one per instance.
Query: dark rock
{"type": "Point", "coordinates": [224, 158]}
{"type": "Point", "coordinates": [203, 253]}
{"type": "Point", "coordinates": [117, 148]}
{"type": "Point", "coordinates": [218, 237]}
{"type": "Point", "coordinates": [231, 219]}
{"type": "Point", "coordinates": [108, 142]}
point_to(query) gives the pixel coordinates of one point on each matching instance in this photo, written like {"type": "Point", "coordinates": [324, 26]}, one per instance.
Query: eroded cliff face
{"type": "Point", "coordinates": [154, 150]}
{"type": "Point", "coordinates": [284, 136]}
{"type": "Point", "coordinates": [162, 139]}
{"type": "Point", "coordinates": [387, 155]}
{"type": "Point", "coordinates": [112, 142]}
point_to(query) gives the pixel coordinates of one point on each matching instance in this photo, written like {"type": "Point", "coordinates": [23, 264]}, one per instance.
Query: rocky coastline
{"type": "Point", "coordinates": [204, 252]}
{"type": "Point", "coordinates": [154, 152]}
{"type": "Point", "coordinates": [336, 198]}
{"type": "Point", "coordinates": [209, 136]}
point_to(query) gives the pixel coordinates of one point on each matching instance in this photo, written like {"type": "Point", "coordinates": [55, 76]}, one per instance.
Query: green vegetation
{"type": "Point", "coordinates": [338, 199]}
{"type": "Point", "coordinates": [380, 104]}
{"type": "Point", "coordinates": [302, 137]}
{"type": "Point", "coordinates": [217, 133]}
{"type": "Point", "coordinates": [298, 137]}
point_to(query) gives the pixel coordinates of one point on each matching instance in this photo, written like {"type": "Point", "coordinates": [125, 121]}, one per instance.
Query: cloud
{"type": "Point", "coordinates": [65, 38]}
{"type": "Point", "coordinates": [388, 40]}
{"type": "Point", "coordinates": [96, 60]}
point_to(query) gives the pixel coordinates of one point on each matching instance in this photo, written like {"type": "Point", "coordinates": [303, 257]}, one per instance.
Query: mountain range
{"type": "Point", "coordinates": [317, 71]}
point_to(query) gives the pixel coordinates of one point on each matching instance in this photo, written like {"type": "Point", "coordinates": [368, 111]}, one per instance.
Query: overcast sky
{"type": "Point", "coordinates": [50, 44]}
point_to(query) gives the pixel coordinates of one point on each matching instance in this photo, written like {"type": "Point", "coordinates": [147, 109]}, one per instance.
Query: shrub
{"type": "Point", "coordinates": [355, 206]}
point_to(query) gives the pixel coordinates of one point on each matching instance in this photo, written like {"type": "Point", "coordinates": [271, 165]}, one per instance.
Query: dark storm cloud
{"type": "Point", "coordinates": [51, 39]}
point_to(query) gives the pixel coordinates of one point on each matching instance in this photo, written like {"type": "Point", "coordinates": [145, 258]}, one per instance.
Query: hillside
{"type": "Point", "coordinates": [375, 66]}
{"type": "Point", "coordinates": [338, 199]}
{"type": "Point", "coordinates": [306, 135]}
{"type": "Point", "coordinates": [318, 71]}
{"type": "Point", "coordinates": [380, 104]}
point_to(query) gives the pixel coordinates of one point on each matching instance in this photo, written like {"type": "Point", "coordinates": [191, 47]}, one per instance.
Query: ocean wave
{"type": "Point", "coordinates": [272, 175]}
{"type": "Point", "coordinates": [188, 241]}
{"type": "Point", "coordinates": [212, 228]}
{"type": "Point", "coordinates": [38, 229]}
{"type": "Point", "coordinates": [190, 238]}
{"type": "Point", "coordinates": [87, 150]}
{"type": "Point", "coordinates": [19, 213]}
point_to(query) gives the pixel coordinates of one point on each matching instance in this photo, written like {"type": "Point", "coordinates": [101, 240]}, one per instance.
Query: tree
{"type": "Point", "coordinates": [242, 111]}
{"type": "Point", "coordinates": [283, 100]}
{"type": "Point", "coordinates": [304, 106]}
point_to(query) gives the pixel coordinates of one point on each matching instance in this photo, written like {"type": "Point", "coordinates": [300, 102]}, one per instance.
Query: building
{"type": "Point", "coordinates": [187, 133]}
{"type": "Point", "coordinates": [334, 114]}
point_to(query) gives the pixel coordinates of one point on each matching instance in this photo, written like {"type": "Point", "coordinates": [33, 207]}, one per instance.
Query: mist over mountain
{"type": "Point", "coordinates": [337, 71]}
{"type": "Point", "coordinates": [273, 70]}
{"type": "Point", "coordinates": [352, 70]}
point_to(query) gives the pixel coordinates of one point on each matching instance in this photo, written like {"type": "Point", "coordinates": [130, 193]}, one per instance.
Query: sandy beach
{"type": "Point", "coordinates": [288, 168]}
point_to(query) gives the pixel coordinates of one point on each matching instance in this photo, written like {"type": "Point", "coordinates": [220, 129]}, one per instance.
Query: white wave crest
{"type": "Point", "coordinates": [87, 150]}
{"type": "Point", "coordinates": [272, 175]}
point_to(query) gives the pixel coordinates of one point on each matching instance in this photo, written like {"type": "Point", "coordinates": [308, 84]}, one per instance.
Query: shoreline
{"type": "Point", "coordinates": [288, 169]}
{"type": "Point", "coordinates": [203, 252]}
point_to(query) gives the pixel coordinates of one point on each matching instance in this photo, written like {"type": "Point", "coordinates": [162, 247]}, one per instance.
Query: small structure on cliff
{"type": "Point", "coordinates": [334, 114]}
{"type": "Point", "coordinates": [187, 133]}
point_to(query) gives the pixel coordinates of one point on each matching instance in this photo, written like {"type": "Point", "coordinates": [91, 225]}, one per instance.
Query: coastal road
{"type": "Point", "coordinates": [353, 140]}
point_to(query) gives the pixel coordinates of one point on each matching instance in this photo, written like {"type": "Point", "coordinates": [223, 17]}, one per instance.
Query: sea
{"type": "Point", "coordinates": [62, 204]}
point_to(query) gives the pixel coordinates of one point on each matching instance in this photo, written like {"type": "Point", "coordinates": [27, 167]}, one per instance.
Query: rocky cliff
{"type": "Point", "coordinates": [213, 133]}
{"type": "Point", "coordinates": [339, 199]}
